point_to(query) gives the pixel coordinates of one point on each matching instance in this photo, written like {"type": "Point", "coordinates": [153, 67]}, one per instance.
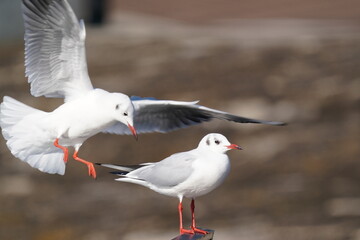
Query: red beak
{"type": "Point", "coordinates": [234, 146]}
{"type": "Point", "coordinates": [133, 131]}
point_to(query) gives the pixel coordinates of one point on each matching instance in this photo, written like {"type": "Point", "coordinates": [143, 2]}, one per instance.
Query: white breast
{"type": "Point", "coordinates": [209, 173]}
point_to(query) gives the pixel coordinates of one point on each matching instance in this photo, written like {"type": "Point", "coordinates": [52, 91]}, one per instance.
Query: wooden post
{"type": "Point", "coordinates": [197, 236]}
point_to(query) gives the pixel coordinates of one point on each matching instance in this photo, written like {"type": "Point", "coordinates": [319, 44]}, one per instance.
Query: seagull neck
{"type": "Point", "coordinates": [209, 150]}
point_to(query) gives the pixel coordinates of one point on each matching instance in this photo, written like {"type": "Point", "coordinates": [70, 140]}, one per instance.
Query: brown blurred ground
{"type": "Point", "coordinates": [295, 182]}
{"type": "Point", "coordinates": [205, 11]}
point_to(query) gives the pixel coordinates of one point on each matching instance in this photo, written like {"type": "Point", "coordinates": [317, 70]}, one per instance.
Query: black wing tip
{"type": "Point", "coordinates": [277, 123]}
{"type": "Point", "coordinates": [272, 123]}
{"type": "Point", "coordinates": [121, 173]}
{"type": "Point", "coordinates": [256, 121]}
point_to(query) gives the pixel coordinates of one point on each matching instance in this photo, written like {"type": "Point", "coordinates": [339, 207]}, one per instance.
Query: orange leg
{"type": "Point", "coordinates": [65, 150]}
{"type": "Point", "coordinates": [182, 230]}
{"type": "Point", "coordinates": [90, 165]}
{"type": "Point", "coordinates": [193, 224]}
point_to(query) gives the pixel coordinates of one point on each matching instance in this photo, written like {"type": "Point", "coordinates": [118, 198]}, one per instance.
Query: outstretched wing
{"type": "Point", "coordinates": [55, 58]}
{"type": "Point", "coordinates": [153, 115]}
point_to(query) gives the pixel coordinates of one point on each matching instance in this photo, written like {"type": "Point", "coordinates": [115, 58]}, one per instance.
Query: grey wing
{"type": "Point", "coordinates": [167, 173]}
{"type": "Point", "coordinates": [153, 115]}
{"type": "Point", "coordinates": [55, 58]}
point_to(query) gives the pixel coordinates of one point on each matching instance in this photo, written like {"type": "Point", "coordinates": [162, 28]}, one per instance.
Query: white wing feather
{"type": "Point", "coordinates": [54, 50]}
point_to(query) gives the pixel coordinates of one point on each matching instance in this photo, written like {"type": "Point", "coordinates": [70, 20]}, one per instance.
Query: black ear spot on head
{"type": "Point", "coordinates": [208, 142]}
{"type": "Point", "coordinates": [117, 106]}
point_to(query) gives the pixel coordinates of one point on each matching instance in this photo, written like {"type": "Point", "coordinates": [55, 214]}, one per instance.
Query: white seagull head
{"type": "Point", "coordinates": [122, 110]}
{"type": "Point", "coordinates": [217, 143]}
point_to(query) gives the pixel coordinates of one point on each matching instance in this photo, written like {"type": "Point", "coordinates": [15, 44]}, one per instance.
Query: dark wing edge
{"type": "Point", "coordinates": [234, 118]}
{"type": "Point", "coordinates": [165, 116]}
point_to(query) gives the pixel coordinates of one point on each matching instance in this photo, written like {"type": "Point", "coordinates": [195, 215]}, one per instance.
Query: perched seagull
{"type": "Point", "coordinates": [187, 174]}
{"type": "Point", "coordinates": [56, 66]}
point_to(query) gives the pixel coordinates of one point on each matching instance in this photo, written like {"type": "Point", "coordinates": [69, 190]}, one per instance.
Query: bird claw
{"type": "Point", "coordinates": [91, 168]}
{"type": "Point", "coordinates": [193, 230]}
{"type": "Point", "coordinates": [186, 231]}
{"type": "Point", "coordinates": [92, 172]}
{"type": "Point", "coordinates": [197, 230]}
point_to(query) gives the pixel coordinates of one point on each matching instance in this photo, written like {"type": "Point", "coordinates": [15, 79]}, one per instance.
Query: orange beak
{"type": "Point", "coordinates": [234, 146]}
{"type": "Point", "coordinates": [133, 131]}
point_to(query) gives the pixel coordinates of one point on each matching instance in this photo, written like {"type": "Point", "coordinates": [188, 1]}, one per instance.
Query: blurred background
{"type": "Point", "coordinates": [293, 61]}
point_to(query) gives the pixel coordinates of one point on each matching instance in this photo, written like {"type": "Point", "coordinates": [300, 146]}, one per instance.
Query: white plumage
{"type": "Point", "coordinates": [23, 128]}
{"type": "Point", "coordinates": [187, 174]}
{"type": "Point", "coordinates": [31, 133]}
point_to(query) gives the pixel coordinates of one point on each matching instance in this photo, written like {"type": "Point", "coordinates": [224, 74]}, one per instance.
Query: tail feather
{"type": "Point", "coordinates": [25, 137]}
{"type": "Point", "coordinates": [119, 173]}
{"type": "Point", "coordinates": [50, 162]}
{"type": "Point", "coordinates": [12, 111]}
{"type": "Point", "coordinates": [124, 170]}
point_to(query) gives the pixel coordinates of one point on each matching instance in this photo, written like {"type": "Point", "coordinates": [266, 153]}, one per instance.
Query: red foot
{"type": "Point", "coordinates": [193, 231]}
{"type": "Point", "coordinates": [91, 168]}
{"type": "Point", "coordinates": [196, 230]}
{"type": "Point", "coordinates": [65, 150]}
{"type": "Point", "coordinates": [186, 231]}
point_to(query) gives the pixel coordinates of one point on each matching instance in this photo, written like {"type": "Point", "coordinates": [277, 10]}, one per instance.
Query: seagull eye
{"type": "Point", "coordinates": [125, 113]}
{"type": "Point", "coordinates": [217, 142]}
